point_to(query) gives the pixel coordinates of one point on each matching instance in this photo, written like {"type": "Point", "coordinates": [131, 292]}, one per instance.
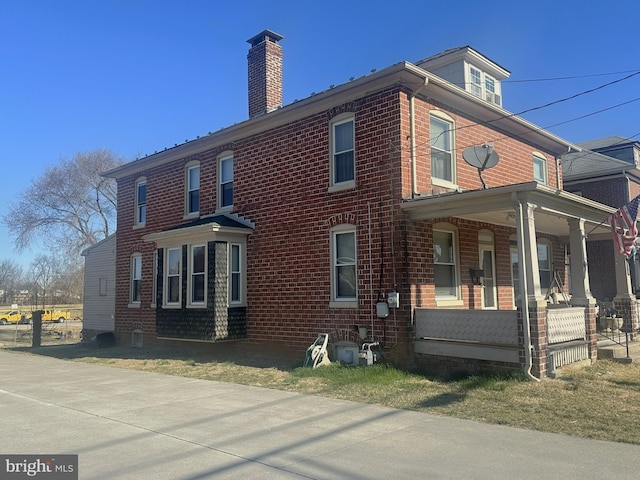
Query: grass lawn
{"type": "Point", "coordinates": [601, 401]}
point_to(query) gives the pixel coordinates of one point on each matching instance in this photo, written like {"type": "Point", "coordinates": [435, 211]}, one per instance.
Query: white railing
{"type": "Point", "coordinates": [565, 324]}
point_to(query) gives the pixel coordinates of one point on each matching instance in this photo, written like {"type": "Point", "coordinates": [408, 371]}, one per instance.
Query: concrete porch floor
{"type": "Point", "coordinates": [612, 345]}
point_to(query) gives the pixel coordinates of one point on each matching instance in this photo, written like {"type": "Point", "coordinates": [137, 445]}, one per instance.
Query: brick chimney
{"type": "Point", "coordinates": [265, 73]}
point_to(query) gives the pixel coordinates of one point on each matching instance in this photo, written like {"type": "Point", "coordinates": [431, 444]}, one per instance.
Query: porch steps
{"type": "Point", "coordinates": [608, 349]}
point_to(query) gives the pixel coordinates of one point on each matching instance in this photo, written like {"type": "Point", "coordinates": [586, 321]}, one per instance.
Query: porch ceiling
{"type": "Point", "coordinates": [498, 206]}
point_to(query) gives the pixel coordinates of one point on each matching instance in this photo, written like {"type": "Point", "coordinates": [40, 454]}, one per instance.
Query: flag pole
{"type": "Point", "coordinates": [602, 222]}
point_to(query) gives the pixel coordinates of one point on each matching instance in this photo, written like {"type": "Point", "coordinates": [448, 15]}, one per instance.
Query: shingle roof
{"type": "Point", "coordinates": [588, 163]}
{"type": "Point", "coordinates": [222, 220]}
{"type": "Point", "coordinates": [604, 142]}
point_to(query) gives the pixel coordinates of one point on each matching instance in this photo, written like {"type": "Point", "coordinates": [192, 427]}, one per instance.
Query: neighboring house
{"type": "Point", "coordinates": [99, 288]}
{"type": "Point", "coordinates": [606, 171]}
{"type": "Point", "coordinates": [314, 217]}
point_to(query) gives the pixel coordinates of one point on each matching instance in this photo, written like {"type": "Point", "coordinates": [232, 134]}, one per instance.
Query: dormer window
{"type": "Point", "coordinates": [483, 85]}
{"type": "Point", "coordinates": [471, 70]}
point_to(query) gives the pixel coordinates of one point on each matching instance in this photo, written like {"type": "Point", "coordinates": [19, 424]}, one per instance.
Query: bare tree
{"type": "Point", "coordinates": [10, 279]}
{"type": "Point", "coordinates": [45, 270]}
{"type": "Point", "coordinates": [69, 284]}
{"type": "Point", "coordinates": [70, 204]}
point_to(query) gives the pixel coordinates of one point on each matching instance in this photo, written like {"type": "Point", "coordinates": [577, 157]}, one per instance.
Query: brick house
{"type": "Point", "coordinates": [353, 211]}
{"type": "Point", "coordinates": [606, 171]}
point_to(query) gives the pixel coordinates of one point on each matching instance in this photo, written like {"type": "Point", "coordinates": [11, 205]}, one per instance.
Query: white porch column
{"type": "Point", "coordinates": [581, 292]}
{"type": "Point", "coordinates": [623, 278]}
{"type": "Point", "coordinates": [529, 252]}
{"type": "Point", "coordinates": [625, 301]}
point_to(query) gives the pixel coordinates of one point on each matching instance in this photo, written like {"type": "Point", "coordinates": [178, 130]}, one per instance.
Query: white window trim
{"type": "Point", "coordinates": [136, 258]}
{"type": "Point", "coordinates": [189, 167]}
{"type": "Point", "coordinates": [441, 182]}
{"type": "Point", "coordinates": [102, 286]}
{"type": "Point", "coordinates": [191, 273]}
{"type": "Point", "coordinates": [348, 184]}
{"type": "Point", "coordinates": [513, 249]}
{"type": "Point", "coordinates": [221, 158]}
{"type": "Point", "coordinates": [544, 242]}
{"type": "Point", "coordinates": [450, 300]}
{"type": "Point", "coordinates": [137, 223]}
{"type": "Point", "coordinates": [545, 165]}
{"type": "Point", "coordinates": [497, 85]}
{"type": "Point", "coordinates": [154, 292]}
{"type": "Point", "coordinates": [349, 302]}
{"type": "Point", "coordinates": [486, 242]}
{"type": "Point", "coordinates": [241, 272]}
{"type": "Point", "coordinates": [165, 280]}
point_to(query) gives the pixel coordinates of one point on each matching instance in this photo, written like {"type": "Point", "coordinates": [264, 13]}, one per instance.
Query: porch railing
{"type": "Point", "coordinates": [493, 334]}
{"type": "Point", "coordinates": [566, 335]}
{"type": "Point", "coordinates": [492, 327]}
{"type": "Point", "coordinates": [490, 335]}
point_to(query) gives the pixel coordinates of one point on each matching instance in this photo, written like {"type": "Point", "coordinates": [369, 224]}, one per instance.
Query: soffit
{"type": "Point", "coordinates": [497, 206]}
{"type": "Point", "coordinates": [202, 229]}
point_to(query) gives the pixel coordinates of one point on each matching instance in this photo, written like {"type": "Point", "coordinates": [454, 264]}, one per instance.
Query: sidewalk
{"type": "Point", "coordinates": [126, 424]}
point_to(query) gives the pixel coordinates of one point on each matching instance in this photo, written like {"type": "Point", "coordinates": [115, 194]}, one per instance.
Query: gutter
{"type": "Point", "coordinates": [412, 127]}
{"type": "Point", "coordinates": [526, 325]}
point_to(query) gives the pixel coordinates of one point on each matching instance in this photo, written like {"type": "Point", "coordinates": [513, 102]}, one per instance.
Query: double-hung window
{"type": "Point", "coordinates": [225, 182]}
{"type": "Point", "coordinates": [343, 151]}
{"type": "Point", "coordinates": [173, 267]}
{"type": "Point", "coordinates": [141, 202]}
{"type": "Point", "coordinates": [545, 265]}
{"type": "Point", "coordinates": [198, 274]}
{"type": "Point", "coordinates": [235, 273]}
{"type": "Point", "coordinates": [344, 265]}
{"type": "Point", "coordinates": [136, 278]}
{"type": "Point", "coordinates": [475, 84]}
{"type": "Point", "coordinates": [539, 168]}
{"type": "Point", "coordinates": [193, 189]}
{"type": "Point", "coordinates": [445, 265]}
{"type": "Point", "coordinates": [442, 159]}
{"type": "Point", "coordinates": [483, 85]}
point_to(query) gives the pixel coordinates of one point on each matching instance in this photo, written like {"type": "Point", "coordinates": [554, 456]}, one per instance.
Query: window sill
{"type": "Point", "coordinates": [449, 303]}
{"type": "Point", "coordinates": [137, 226]}
{"type": "Point", "coordinates": [134, 305]}
{"type": "Point", "coordinates": [189, 216]}
{"type": "Point", "coordinates": [227, 209]}
{"type": "Point", "coordinates": [340, 187]}
{"type": "Point", "coordinates": [438, 182]}
{"type": "Point", "coordinates": [353, 304]}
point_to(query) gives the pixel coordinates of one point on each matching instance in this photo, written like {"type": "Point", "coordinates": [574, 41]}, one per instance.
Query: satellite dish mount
{"type": "Point", "coordinates": [482, 157]}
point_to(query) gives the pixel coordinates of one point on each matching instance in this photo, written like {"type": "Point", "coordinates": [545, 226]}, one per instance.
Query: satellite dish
{"type": "Point", "coordinates": [482, 157]}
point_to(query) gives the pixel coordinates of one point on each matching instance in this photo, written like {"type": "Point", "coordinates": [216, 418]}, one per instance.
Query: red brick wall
{"type": "Point", "coordinates": [265, 77]}
{"type": "Point", "coordinates": [281, 181]}
{"type": "Point", "coordinates": [515, 156]}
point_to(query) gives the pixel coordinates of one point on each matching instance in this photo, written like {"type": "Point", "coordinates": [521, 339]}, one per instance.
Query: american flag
{"type": "Point", "coordinates": [623, 226]}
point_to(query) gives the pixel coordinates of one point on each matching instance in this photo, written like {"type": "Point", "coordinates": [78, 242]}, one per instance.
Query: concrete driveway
{"type": "Point", "coordinates": [126, 424]}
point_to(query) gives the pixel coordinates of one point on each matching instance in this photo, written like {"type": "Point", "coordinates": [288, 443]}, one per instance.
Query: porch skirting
{"type": "Point", "coordinates": [565, 354]}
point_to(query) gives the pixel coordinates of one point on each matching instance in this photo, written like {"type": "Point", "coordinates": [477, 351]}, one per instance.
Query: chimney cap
{"type": "Point", "coordinates": [264, 36]}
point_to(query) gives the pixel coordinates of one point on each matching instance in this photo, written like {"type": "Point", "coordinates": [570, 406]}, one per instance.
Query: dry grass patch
{"type": "Point", "coordinates": [600, 401]}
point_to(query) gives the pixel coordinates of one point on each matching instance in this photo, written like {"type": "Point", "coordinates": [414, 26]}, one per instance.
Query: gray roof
{"type": "Point", "coordinates": [591, 164]}
{"type": "Point", "coordinates": [221, 220]}
{"type": "Point", "coordinates": [605, 142]}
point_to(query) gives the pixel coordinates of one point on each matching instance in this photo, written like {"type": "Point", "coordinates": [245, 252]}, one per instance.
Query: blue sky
{"type": "Point", "coordinates": [136, 76]}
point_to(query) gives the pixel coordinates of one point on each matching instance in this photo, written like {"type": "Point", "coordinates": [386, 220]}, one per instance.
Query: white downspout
{"type": "Point", "coordinates": [524, 293]}
{"type": "Point", "coordinates": [412, 133]}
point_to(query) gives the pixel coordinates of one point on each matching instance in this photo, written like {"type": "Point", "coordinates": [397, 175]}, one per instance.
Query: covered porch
{"type": "Point", "coordinates": [541, 332]}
